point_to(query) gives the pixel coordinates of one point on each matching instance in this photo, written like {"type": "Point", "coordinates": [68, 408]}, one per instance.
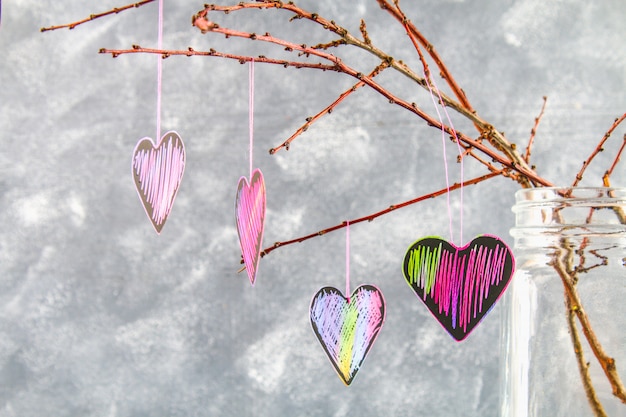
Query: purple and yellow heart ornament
{"type": "Point", "coordinates": [347, 328]}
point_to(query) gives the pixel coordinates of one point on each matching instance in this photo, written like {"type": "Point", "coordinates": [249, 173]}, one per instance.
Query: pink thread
{"type": "Point", "coordinates": [445, 162]}
{"type": "Point", "coordinates": [458, 147]}
{"type": "Point", "coordinates": [159, 70]}
{"type": "Point", "coordinates": [348, 261]}
{"type": "Point", "coordinates": [251, 110]}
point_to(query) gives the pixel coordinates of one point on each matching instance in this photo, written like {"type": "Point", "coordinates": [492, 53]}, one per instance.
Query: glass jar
{"type": "Point", "coordinates": [569, 242]}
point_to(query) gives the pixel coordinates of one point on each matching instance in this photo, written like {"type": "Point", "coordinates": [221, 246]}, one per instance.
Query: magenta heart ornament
{"type": "Point", "coordinates": [459, 285]}
{"type": "Point", "coordinates": [347, 329]}
{"type": "Point", "coordinates": [157, 173]}
{"type": "Point", "coordinates": [250, 217]}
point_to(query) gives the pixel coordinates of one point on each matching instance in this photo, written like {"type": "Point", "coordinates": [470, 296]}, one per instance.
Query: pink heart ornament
{"type": "Point", "coordinates": [347, 329]}
{"type": "Point", "coordinates": [250, 216]}
{"type": "Point", "coordinates": [459, 285]}
{"type": "Point", "coordinates": [157, 173]}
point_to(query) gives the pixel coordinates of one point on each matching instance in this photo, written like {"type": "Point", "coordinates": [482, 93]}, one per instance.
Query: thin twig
{"type": "Point", "coordinates": [397, 13]}
{"type": "Point", "coordinates": [506, 172]}
{"type": "Point", "coordinates": [609, 172]}
{"type": "Point", "coordinates": [331, 44]}
{"type": "Point", "coordinates": [606, 362]}
{"type": "Point", "coordinates": [599, 148]}
{"type": "Point", "coordinates": [328, 109]}
{"type": "Point", "coordinates": [432, 87]}
{"type": "Point", "coordinates": [166, 53]}
{"type": "Point", "coordinates": [96, 16]}
{"type": "Point", "coordinates": [413, 36]}
{"type": "Point", "coordinates": [363, 29]}
{"type": "Point", "coordinates": [533, 131]}
{"type": "Point", "coordinates": [391, 208]}
{"type": "Point", "coordinates": [414, 40]}
{"type": "Point", "coordinates": [583, 365]}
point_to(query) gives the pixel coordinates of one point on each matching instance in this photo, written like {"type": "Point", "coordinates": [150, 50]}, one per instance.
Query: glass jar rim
{"type": "Point", "coordinates": [574, 208]}
{"type": "Point", "coordinates": [562, 194]}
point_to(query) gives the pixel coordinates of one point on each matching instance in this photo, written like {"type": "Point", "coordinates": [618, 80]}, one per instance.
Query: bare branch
{"type": "Point", "coordinates": [327, 110]}
{"type": "Point", "coordinates": [583, 365]}
{"type": "Point", "coordinates": [391, 208]}
{"type": "Point", "coordinates": [533, 131]}
{"type": "Point", "coordinates": [606, 362]}
{"type": "Point", "coordinates": [494, 137]}
{"type": "Point", "coordinates": [363, 29]}
{"type": "Point", "coordinates": [445, 73]}
{"type": "Point", "coordinates": [609, 172]}
{"type": "Point", "coordinates": [166, 53]}
{"type": "Point", "coordinates": [599, 148]}
{"type": "Point", "coordinates": [115, 10]}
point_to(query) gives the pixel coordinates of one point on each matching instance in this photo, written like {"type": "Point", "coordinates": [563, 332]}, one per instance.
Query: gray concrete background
{"type": "Point", "coordinates": [99, 316]}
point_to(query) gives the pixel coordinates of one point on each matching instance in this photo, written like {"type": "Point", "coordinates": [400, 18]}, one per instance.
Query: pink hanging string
{"type": "Point", "coordinates": [348, 261]}
{"type": "Point", "coordinates": [445, 161]}
{"type": "Point", "coordinates": [159, 72]}
{"type": "Point", "coordinates": [251, 110]}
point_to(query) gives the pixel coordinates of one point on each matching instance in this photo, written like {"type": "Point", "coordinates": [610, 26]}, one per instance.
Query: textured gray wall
{"type": "Point", "coordinates": [99, 316]}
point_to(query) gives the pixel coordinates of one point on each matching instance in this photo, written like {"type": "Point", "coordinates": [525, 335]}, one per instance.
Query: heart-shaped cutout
{"type": "Point", "coordinates": [459, 285]}
{"type": "Point", "coordinates": [157, 172]}
{"type": "Point", "coordinates": [347, 329]}
{"type": "Point", "coordinates": [250, 217]}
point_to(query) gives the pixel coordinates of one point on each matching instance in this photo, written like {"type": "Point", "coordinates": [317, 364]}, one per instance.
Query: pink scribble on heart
{"type": "Point", "coordinates": [459, 285]}
{"type": "Point", "coordinates": [250, 217]}
{"type": "Point", "coordinates": [157, 172]}
{"type": "Point", "coordinates": [347, 329]}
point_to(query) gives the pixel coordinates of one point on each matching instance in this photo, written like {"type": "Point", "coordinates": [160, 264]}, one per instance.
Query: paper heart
{"type": "Point", "coordinates": [459, 285]}
{"type": "Point", "coordinates": [157, 172]}
{"type": "Point", "coordinates": [347, 329]}
{"type": "Point", "coordinates": [250, 216]}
